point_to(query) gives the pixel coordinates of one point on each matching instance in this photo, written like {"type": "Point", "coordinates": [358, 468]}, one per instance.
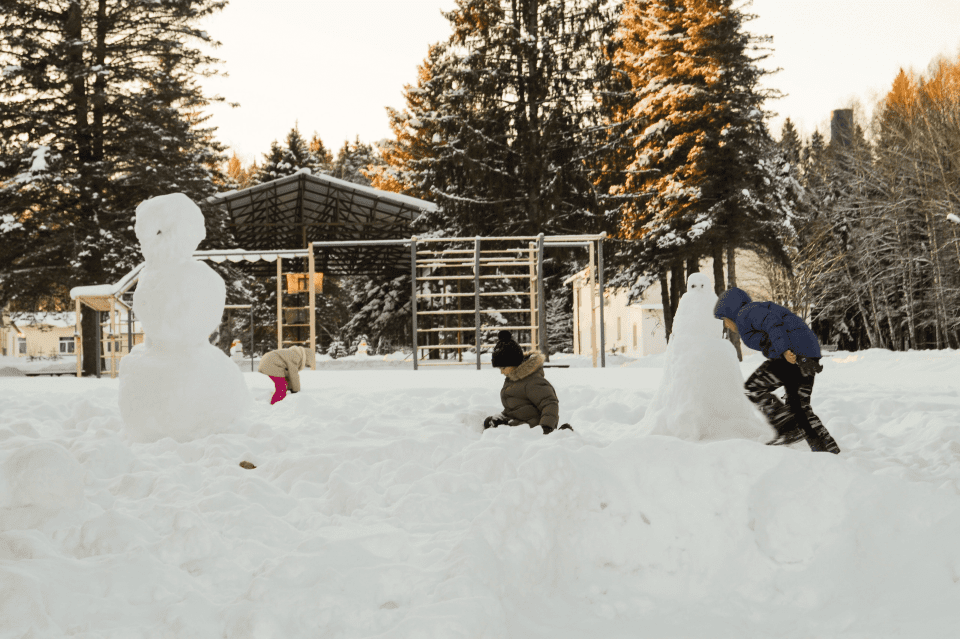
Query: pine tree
{"type": "Point", "coordinates": [499, 129]}
{"type": "Point", "coordinates": [101, 110]}
{"type": "Point", "coordinates": [240, 177]}
{"type": "Point", "coordinates": [790, 143]}
{"type": "Point", "coordinates": [409, 159]}
{"type": "Point", "coordinates": [705, 178]}
{"type": "Point", "coordinates": [296, 155]}
{"type": "Point", "coordinates": [560, 324]}
{"type": "Point", "coordinates": [323, 157]}
{"type": "Point", "coordinates": [355, 161]}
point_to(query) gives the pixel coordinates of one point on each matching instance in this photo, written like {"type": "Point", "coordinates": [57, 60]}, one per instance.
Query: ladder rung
{"type": "Point", "coordinates": [423, 363]}
{"type": "Point", "coordinates": [462, 347]}
{"type": "Point", "coordinates": [443, 260]}
{"type": "Point", "coordinates": [464, 329]}
{"type": "Point", "coordinates": [504, 328]}
{"type": "Point", "coordinates": [463, 312]}
{"type": "Point", "coordinates": [471, 312]}
{"type": "Point", "coordinates": [504, 294]}
{"type": "Point", "coordinates": [290, 341]}
{"type": "Point", "coordinates": [421, 296]}
{"type": "Point", "coordinates": [289, 325]}
{"type": "Point", "coordinates": [470, 277]}
{"type": "Point", "coordinates": [524, 264]}
{"type": "Point", "coordinates": [295, 308]}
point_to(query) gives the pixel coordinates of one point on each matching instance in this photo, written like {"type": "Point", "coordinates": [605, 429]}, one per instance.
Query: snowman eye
{"type": "Point", "coordinates": [159, 232]}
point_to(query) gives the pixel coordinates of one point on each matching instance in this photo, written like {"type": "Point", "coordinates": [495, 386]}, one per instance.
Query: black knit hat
{"type": "Point", "coordinates": [507, 352]}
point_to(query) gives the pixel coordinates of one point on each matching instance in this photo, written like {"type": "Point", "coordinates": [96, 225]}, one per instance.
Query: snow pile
{"type": "Point", "coordinates": [176, 384]}
{"type": "Point", "coordinates": [379, 508]}
{"type": "Point", "coordinates": [701, 393]}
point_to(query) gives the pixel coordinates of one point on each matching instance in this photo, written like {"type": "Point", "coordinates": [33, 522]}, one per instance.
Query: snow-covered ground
{"type": "Point", "coordinates": [378, 508]}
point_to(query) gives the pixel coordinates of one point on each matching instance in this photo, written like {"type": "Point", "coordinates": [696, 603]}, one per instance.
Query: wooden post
{"type": "Point", "coordinates": [113, 337]}
{"type": "Point", "coordinates": [313, 312]}
{"type": "Point", "coordinates": [279, 302]}
{"type": "Point", "coordinates": [531, 248]}
{"type": "Point", "coordinates": [78, 341]}
{"type": "Point", "coordinates": [541, 303]}
{"type": "Point", "coordinates": [603, 326]}
{"type": "Point", "coordinates": [476, 296]}
{"type": "Point", "coordinates": [593, 308]}
{"type": "Point", "coordinates": [413, 296]}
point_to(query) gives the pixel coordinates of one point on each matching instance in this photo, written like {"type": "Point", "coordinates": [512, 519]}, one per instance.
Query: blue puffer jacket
{"type": "Point", "coordinates": [767, 327]}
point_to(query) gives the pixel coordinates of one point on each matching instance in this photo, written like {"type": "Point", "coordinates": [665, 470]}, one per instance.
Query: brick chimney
{"type": "Point", "coordinates": [841, 127]}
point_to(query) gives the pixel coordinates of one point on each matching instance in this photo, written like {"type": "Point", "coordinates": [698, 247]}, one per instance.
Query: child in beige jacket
{"type": "Point", "coordinates": [283, 366]}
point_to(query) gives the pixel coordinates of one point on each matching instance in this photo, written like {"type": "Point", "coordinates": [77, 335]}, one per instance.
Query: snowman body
{"type": "Point", "coordinates": [176, 384]}
{"type": "Point", "coordinates": [701, 394]}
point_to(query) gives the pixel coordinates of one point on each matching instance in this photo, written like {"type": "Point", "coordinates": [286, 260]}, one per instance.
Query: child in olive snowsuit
{"type": "Point", "coordinates": [527, 396]}
{"type": "Point", "coordinates": [793, 361]}
{"type": "Point", "coordinates": [283, 366]}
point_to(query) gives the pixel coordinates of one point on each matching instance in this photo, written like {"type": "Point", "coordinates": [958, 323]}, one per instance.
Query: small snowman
{"type": "Point", "coordinates": [701, 394]}
{"type": "Point", "coordinates": [176, 384]}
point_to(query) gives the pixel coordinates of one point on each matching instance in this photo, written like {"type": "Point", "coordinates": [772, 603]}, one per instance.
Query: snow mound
{"type": "Point", "coordinates": [701, 394]}
{"type": "Point", "coordinates": [39, 481]}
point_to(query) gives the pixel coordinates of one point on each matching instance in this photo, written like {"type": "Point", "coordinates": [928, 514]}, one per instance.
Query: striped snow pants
{"type": "Point", "coordinates": [795, 419]}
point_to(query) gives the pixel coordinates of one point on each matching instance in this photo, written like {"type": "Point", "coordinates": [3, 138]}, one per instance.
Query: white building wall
{"type": "Point", "coordinates": [645, 316]}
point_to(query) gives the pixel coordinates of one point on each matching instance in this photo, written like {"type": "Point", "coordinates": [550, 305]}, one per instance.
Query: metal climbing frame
{"type": "Point", "coordinates": [465, 261]}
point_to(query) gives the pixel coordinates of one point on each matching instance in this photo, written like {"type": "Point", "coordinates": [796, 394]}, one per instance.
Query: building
{"type": "Point", "coordinates": [638, 329]}
{"type": "Point", "coordinates": [36, 335]}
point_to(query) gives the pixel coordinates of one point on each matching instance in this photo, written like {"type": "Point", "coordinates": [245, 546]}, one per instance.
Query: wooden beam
{"type": "Point", "coordinates": [78, 341]}
{"type": "Point", "coordinates": [313, 313]}
{"type": "Point", "coordinates": [279, 302]}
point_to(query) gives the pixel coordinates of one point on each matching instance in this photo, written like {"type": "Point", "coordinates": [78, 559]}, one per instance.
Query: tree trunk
{"type": "Point", "coordinates": [906, 267]}
{"type": "Point", "coordinates": [731, 282]}
{"type": "Point", "coordinates": [876, 316]}
{"type": "Point", "coordinates": [718, 286]}
{"type": "Point", "coordinates": [100, 82]}
{"type": "Point", "coordinates": [73, 33]}
{"type": "Point", "coordinates": [677, 286]}
{"type": "Point", "coordinates": [665, 302]}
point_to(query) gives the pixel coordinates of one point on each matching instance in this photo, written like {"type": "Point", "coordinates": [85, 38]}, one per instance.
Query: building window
{"type": "Point", "coordinates": [634, 334]}
{"type": "Point", "coordinates": [22, 345]}
{"type": "Point", "coordinates": [66, 345]}
{"type": "Point", "coordinates": [618, 330]}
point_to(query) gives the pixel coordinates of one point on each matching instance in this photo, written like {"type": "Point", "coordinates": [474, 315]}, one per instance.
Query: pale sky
{"type": "Point", "coordinates": [333, 65]}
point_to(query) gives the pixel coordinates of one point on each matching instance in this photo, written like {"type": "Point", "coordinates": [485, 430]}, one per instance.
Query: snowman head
{"type": "Point", "coordinates": [169, 228]}
{"type": "Point", "coordinates": [699, 282]}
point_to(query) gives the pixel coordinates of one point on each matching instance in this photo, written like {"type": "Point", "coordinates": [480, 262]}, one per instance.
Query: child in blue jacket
{"type": "Point", "coordinates": [793, 361]}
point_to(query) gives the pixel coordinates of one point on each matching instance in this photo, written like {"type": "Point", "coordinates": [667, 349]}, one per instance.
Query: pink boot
{"type": "Point", "coordinates": [281, 389]}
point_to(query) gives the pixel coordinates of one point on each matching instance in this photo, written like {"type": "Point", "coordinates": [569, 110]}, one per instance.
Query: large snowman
{"type": "Point", "coordinates": [701, 394]}
{"type": "Point", "coordinates": [176, 384]}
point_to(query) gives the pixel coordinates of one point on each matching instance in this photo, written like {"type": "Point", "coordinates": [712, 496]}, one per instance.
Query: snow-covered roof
{"type": "Point", "coordinates": [295, 210]}
{"type": "Point", "coordinates": [104, 290]}
{"type": "Point", "coordinates": [55, 320]}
